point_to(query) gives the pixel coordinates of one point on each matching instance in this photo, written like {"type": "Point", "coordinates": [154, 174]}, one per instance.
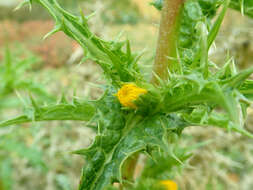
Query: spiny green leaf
{"type": "Point", "coordinates": [81, 111]}
{"type": "Point", "coordinates": [216, 26]}
{"type": "Point", "coordinates": [221, 120]}
{"type": "Point", "coordinates": [121, 134]}
{"type": "Point", "coordinates": [189, 43]}
{"type": "Point", "coordinates": [201, 116]}
{"type": "Point", "coordinates": [201, 27]}
{"type": "Point", "coordinates": [104, 167]}
{"type": "Point", "coordinates": [56, 29]}
{"type": "Point", "coordinates": [211, 93]}
{"type": "Point", "coordinates": [23, 3]}
{"type": "Point", "coordinates": [104, 53]}
{"type": "Point", "coordinates": [239, 78]}
{"type": "Point", "coordinates": [247, 89]}
{"type": "Point", "coordinates": [163, 163]}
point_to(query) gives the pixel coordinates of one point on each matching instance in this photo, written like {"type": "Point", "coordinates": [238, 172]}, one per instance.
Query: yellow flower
{"type": "Point", "coordinates": [169, 184]}
{"type": "Point", "coordinates": [128, 93]}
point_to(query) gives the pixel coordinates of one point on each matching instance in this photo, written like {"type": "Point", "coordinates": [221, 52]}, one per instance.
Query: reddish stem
{"type": "Point", "coordinates": [168, 33]}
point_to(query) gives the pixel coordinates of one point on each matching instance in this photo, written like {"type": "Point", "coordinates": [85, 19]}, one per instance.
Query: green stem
{"type": "Point", "coordinates": [166, 53]}
{"type": "Point", "coordinates": [128, 170]}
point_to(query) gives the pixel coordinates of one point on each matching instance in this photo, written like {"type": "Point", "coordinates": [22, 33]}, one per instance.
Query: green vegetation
{"type": "Point", "coordinates": [195, 92]}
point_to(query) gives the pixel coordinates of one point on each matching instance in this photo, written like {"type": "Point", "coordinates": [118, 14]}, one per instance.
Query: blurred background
{"type": "Point", "coordinates": [37, 156]}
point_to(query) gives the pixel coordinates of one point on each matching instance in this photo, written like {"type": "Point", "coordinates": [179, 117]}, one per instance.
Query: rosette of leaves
{"type": "Point", "coordinates": [199, 94]}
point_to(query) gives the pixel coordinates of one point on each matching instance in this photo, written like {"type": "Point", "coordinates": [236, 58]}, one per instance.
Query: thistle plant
{"type": "Point", "coordinates": [139, 115]}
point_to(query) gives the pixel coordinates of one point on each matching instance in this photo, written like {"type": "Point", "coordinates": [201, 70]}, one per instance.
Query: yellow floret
{"type": "Point", "coordinates": [128, 93]}
{"type": "Point", "coordinates": [169, 184]}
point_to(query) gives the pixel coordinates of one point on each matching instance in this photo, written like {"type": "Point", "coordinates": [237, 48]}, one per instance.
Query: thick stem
{"type": "Point", "coordinates": [166, 53]}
